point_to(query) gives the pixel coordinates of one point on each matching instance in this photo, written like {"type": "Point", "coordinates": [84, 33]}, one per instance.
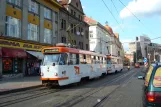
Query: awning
{"type": "Point", "coordinates": [0, 51]}
{"type": "Point", "coordinates": [14, 53]}
{"type": "Point", "coordinates": [39, 55]}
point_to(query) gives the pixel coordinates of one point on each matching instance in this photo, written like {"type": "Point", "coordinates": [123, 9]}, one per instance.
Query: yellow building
{"type": "Point", "coordinates": [26, 26]}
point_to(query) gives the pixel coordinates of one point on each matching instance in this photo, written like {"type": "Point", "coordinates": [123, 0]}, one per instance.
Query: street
{"type": "Point", "coordinates": [114, 90]}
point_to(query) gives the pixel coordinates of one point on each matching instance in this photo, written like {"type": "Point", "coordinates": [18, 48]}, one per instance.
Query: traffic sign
{"type": "Point", "coordinates": [145, 60]}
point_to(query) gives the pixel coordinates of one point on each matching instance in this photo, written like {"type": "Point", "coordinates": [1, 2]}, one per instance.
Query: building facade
{"type": "Point", "coordinates": [26, 26]}
{"type": "Point", "coordinates": [116, 48]}
{"type": "Point", "coordinates": [73, 29]}
{"type": "Point", "coordinates": [99, 37]}
{"type": "Point", "coordinates": [139, 47]}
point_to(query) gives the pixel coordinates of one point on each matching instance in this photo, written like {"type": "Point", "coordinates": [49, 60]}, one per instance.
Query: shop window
{"type": "Point", "coordinates": [13, 27]}
{"type": "Point", "coordinates": [47, 13]}
{"type": "Point", "coordinates": [33, 32]}
{"type": "Point", "coordinates": [7, 65]}
{"type": "Point", "coordinates": [15, 2]}
{"type": "Point", "coordinates": [47, 36]}
{"type": "Point", "coordinates": [33, 7]}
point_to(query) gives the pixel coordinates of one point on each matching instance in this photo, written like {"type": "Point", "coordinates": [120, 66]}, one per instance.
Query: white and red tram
{"type": "Point", "coordinates": [63, 65]}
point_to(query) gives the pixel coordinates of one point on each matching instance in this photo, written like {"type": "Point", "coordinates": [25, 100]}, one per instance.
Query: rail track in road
{"type": "Point", "coordinates": [77, 99]}
{"type": "Point", "coordinates": [14, 98]}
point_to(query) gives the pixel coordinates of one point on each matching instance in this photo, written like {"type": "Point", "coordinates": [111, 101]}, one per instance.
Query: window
{"type": "Point", "coordinates": [157, 78]}
{"type": "Point", "coordinates": [81, 18]}
{"type": "Point", "coordinates": [13, 27]}
{"type": "Point", "coordinates": [47, 13]}
{"type": "Point", "coordinates": [63, 59]}
{"type": "Point", "coordinates": [87, 47]}
{"type": "Point", "coordinates": [56, 17]}
{"type": "Point", "coordinates": [63, 24]}
{"type": "Point", "coordinates": [15, 2]}
{"type": "Point", "coordinates": [75, 30]}
{"type": "Point", "coordinates": [33, 32]}
{"type": "Point", "coordinates": [86, 34]}
{"type": "Point", "coordinates": [148, 75]}
{"type": "Point", "coordinates": [63, 39]}
{"type": "Point", "coordinates": [82, 31]}
{"type": "Point", "coordinates": [47, 36]}
{"type": "Point", "coordinates": [72, 12]}
{"type": "Point", "coordinates": [33, 7]}
{"type": "Point", "coordinates": [76, 4]}
{"type": "Point", "coordinates": [72, 28]}
{"type": "Point", "coordinates": [88, 59]}
{"type": "Point", "coordinates": [72, 59]}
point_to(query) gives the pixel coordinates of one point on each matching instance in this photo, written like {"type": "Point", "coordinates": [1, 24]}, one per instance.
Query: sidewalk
{"type": "Point", "coordinates": [18, 84]}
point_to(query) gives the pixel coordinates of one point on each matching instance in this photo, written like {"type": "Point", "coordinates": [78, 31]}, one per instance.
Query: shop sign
{"type": "Point", "coordinates": [14, 44]}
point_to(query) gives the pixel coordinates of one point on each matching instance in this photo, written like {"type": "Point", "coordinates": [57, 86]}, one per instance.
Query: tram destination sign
{"type": "Point", "coordinates": [51, 50]}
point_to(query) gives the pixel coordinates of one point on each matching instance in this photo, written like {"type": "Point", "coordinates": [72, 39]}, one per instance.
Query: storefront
{"type": "Point", "coordinates": [33, 62]}
{"type": "Point", "coordinates": [20, 57]}
{"type": "Point", "coordinates": [12, 60]}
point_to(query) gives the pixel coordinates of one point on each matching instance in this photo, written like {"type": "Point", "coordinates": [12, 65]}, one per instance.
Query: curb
{"type": "Point", "coordinates": [19, 89]}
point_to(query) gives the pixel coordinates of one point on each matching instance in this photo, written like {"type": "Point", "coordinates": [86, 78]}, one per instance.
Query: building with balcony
{"type": "Point", "coordinates": [73, 29]}
{"type": "Point", "coordinates": [26, 26]}
{"type": "Point", "coordinates": [99, 37]}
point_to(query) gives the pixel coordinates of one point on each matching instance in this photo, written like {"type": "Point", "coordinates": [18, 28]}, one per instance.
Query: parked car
{"type": "Point", "coordinates": [152, 86]}
{"type": "Point", "coordinates": [137, 65]}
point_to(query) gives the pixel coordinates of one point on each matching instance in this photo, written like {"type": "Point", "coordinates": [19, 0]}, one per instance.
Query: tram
{"type": "Point", "coordinates": [64, 65]}
{"type": "Point", "coordinates": [115, 63]}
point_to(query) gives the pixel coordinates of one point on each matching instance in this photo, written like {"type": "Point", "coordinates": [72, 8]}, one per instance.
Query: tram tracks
{"type": "Point", "coordinates": [77, 99]}
{"type": "Point", "coordinates": [17, 97]}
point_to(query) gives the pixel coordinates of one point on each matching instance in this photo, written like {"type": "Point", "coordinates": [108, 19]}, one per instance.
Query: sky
{"type": "Point", "coordinates": [144, 18]}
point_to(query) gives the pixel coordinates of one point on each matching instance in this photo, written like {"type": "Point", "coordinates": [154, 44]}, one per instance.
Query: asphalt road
{"type": "Point", "coordinates": [114, 90]}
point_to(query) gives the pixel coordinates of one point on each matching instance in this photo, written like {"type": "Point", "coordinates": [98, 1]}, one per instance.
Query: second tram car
{"type": "Point", "coordinates": [116, 64]}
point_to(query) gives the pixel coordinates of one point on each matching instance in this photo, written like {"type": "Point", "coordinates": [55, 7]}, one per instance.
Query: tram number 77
{"type": "Point", "coordinates": [77, 70]}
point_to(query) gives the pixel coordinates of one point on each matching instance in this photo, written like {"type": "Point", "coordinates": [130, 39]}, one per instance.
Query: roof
{"type": "Point", "coordinates": [64, 2]}
{"type": "Point", "coordinates": [89, 20]}
{"type": "Point", "coordinates": [57, 49]}
{"type": "Point", "coordinates": [116, 35]}
{"type": "Point", "coordinates": [109, 29]}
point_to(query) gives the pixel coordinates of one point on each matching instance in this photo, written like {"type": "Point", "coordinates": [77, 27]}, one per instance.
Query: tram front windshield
{"type": "Point", "coordinates": [57, 59]}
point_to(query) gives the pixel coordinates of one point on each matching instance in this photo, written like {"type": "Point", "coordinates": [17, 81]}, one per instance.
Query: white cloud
{"type": "Point", "coordinates": [142, 8]}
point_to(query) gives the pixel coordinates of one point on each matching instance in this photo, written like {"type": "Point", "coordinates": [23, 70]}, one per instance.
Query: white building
{"type": "Point", "coordinates": [99, 37]}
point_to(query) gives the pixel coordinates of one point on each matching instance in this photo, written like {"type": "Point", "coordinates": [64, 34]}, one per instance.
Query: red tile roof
{"type": "Point", "coordinates": [89, 20]}
{"type": "Point", "coordinates": [109, 29]}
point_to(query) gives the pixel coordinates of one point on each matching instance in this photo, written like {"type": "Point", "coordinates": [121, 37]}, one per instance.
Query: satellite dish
{"type": "Point", "coordinates": [82, 33]}
{"type": "Point", "coordinates": [69, 1]}
{"type": "Point", "coordinates": [78, 33]}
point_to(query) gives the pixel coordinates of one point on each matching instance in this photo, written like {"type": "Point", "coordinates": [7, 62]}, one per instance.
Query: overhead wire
{"type": "Point", "coordinates": [112, 15]}
{"type": "Point", "coordinates": [135, 17]}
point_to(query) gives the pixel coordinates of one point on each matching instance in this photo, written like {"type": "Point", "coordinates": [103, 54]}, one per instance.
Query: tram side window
{"type": "Point", "coordinates": [88, 60]}
{"type": "Point", "coordinates": [101, 60]}
{"type": "Point", "coordinates": [97, 60]}
{"type": "Point", "coordinates": [77, 58]}
{"type": "Point", "coordinates": [63, 59]}
{"type": "Point", "coordinates": [104, 60]}
{"type": "Point", "coordinates": [72, 59]}
{"type": "Point", "coordinates": [81, 58]}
